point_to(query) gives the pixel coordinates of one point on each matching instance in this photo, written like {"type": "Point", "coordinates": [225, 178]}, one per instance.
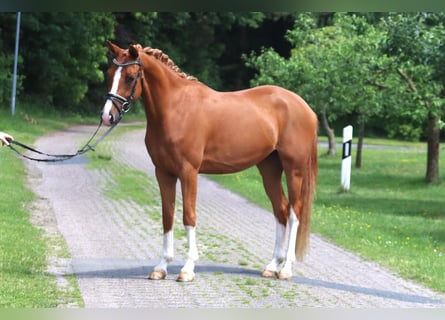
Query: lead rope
{"type": "Point", "coordinates": [62, 157]}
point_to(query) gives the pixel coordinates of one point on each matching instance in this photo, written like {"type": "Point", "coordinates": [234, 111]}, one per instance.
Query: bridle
{"type": "Point", "coordinates": [120, 103]}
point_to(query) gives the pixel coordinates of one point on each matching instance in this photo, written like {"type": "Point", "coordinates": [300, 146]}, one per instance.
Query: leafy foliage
{"type": "Point", "coordinates": [391, 70]}
{"type": "Point", "coordinates": [7, 40]}
{"type": "Point", "coordinates": [417, 43]}
{"type": "Point", "coordinates": [64, 52]}
{"type": "Point", "coordinates": [344, 63]}
{"type": "Point", "coordinates": [6, 67]}
{"type": "Point", "coordinates": [192, 39]}
{"type": "Point", "coordinates": [351, 67]}
{"type": "Point", "coordinates": [335, 66]}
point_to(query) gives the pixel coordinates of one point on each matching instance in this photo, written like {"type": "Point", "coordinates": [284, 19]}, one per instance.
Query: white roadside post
{"type": "Point", "coordinates": [346, 158]}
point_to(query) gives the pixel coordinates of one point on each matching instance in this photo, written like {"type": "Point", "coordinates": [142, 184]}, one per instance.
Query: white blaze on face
{"type": "Point", "coordinates": [107, 108]}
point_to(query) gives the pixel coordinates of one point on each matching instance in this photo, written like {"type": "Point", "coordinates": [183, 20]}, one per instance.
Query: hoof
{"type": "Point", "coordinates": [268, 274]}
{"type": "Point", "coordinates": [284, 276]}
{"type": "Point", "coordinates": [186, 277]}
{"type": "Point", "coordinates": [158, 275]}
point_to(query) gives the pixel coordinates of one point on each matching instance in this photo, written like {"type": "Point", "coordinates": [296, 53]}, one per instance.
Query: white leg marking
{"type": "Point", "coordinates": [292, 228]}
{"type": "Point", "coordinates": [108, 104]}
{"type": "Point", "coordinates": [192, 254]}
{"type": "Point", "coordinates": [167, 252]}
{"type": "Point", "coordinates": [278, 253]}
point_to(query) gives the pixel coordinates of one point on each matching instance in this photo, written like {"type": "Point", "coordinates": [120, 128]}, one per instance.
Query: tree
{"type": "Point", "coordinates": [362, 70]}
{"type": "Point", "coordinates": [64, 56]}
{"type": "Point", "coordinates": [63, 53]}
{"type": "Point", "coordinates": [303, 72]}
{"type": "Point", "coordinates": [416, 41]}
{"type": "Point", "coordinates": [337, 69]}
{"type": "Point", "coordinates": [192, 39]}
{"type": "Point", "coordinates": [7, 40]}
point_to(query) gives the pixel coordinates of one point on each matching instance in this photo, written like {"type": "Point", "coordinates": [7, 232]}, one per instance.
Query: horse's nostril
{"type": "Point", "coordinates": [111, 118]}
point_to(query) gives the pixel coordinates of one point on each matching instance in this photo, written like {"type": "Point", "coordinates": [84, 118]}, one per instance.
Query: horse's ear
{"type": "Point", "coordinates": [134, 52]}
{"type": "Point", "coordinates": [113, 48]}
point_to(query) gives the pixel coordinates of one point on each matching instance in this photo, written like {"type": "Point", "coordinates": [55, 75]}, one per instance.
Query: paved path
{"type": "Point", "coordinates": [114, 242]}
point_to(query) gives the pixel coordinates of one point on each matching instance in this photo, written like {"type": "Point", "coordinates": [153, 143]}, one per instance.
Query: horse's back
{"type": "Point", "coordinates": [267, 108]}
{"type": "Point", "coordinates": [244, 127]}
{"type": "Point", "coordinates": [287, 106]}
{"type": "Point", "coordinates": [275, 97]}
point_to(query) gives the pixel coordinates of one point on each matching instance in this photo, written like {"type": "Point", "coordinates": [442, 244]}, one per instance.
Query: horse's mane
{"type": "Point", "coordinates": [165, 59]}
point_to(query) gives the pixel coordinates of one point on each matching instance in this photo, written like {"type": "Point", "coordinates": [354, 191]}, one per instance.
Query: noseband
{"type": "Point", "coordinates": [120, 103]}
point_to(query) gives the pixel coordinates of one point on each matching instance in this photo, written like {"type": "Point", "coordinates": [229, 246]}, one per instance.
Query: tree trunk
{"type": "Point", "coordinates": [361, 133]}
{"type": "Point", "coordinates": [433, 138]}
{"type": "Point", "coordinates": [329, 132]}
{"type": "Point", "coordinates": [432, 165]}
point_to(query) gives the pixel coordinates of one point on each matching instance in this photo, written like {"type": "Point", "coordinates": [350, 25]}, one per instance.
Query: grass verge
{"type": "Point", "coordinates": [24, 280]}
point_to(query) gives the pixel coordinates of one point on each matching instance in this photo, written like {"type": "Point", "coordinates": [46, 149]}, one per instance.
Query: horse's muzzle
{"type": "Point", "coordinates": [107, 118]}
{"type": "Point", "coordinates": [107, 113]}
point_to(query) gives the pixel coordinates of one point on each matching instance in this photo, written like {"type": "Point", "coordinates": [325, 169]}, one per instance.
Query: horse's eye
{"type": "Point", "coordinates": [129, 79]}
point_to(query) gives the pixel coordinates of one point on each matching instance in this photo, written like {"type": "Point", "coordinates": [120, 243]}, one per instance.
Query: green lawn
{"type": "Point", "coordinates": [24, 281]}
{"type": "Point", "coordinates": [390, 215]}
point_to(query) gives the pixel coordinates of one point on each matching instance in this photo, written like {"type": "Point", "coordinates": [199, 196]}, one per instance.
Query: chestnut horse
{"type": "Point", "coordinates": [193, 129]}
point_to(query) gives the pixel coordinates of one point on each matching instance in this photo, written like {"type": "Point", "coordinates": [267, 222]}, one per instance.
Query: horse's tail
{"type": "Point", "coordinates": [307, 196]}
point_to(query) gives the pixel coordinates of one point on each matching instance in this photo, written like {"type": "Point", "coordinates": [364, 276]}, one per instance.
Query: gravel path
{"type": "Point", "coordinates": [114, 242]}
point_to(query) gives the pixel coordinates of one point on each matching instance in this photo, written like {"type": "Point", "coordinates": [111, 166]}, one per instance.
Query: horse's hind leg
{"type": "Point", "coordinates": [271, 171]}
{"type": "Point", "coordinates": [294, 178]}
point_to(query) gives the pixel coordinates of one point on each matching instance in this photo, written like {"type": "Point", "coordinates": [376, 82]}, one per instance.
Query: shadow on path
{"type": "Point", "coordinates": [139, 269]}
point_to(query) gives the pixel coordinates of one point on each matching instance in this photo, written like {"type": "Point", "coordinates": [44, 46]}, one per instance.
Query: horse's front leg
{"type": "Point", "coordinates": [167, 186]}
{"type": "Point", "coordinates": [189, 186]}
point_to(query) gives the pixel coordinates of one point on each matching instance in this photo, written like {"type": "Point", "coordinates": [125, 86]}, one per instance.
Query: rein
{"type": "Point", "coordinates": [61, 157]}
{"type": "Point", "coordinates": [120, 103]}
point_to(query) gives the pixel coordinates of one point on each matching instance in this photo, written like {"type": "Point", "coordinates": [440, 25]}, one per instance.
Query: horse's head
{"type": "Point", "coordinates": [125, 77]}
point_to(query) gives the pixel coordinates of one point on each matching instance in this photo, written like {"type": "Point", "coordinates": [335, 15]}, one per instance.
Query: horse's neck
{"type": "Point", "coordinates": [157, 90]}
